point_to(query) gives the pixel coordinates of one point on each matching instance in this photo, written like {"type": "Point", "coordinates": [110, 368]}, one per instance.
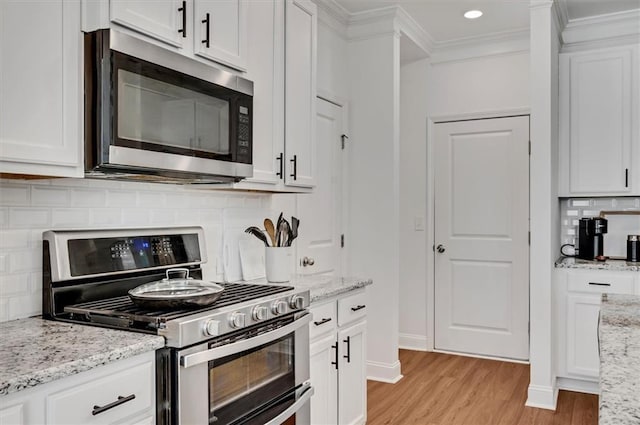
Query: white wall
{"type": "Point", "coordinates": [413, 202]}
{"type": "Point", "coordinates": [457, 89]}
{"type": "Point", "coordinates": [27, 208]}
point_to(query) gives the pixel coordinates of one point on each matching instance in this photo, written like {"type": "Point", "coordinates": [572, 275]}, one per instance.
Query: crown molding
{"type": "Point", "coordinates": [615, 28]}
{"type": "Point", "coordinates": [372, 23]}
{"type": "Point", "coordinates": [562, 13]}
{"type": "Point", "coordinates": [412, 30]}
{"type": "Point", "coordinates": [333, 15]}
{"type": "Point", "coordinates": [496, 44]}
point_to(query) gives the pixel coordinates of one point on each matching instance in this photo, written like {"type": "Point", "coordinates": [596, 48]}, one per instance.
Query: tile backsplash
{"type": "Point", "coordinates": [27, 208]}
{"type": "Point", "coordinates": [619, 226]}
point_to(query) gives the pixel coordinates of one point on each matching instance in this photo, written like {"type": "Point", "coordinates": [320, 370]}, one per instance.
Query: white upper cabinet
{"type": "Point", "coordinates": [600, 123]}
{"type": "Point", "coordinates": [211, 29]}
{"type": "Point", "coordinates": [41, 88]}
{"type": "Point", "coordinates": [168, 21]}
{"type": "Point", "coordinates": [300, 92]}
{"type": "Point", "coordinates": [221, 31]}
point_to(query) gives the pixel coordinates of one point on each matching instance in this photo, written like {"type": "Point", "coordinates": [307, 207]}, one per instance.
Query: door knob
{"type": "Point", "coordinates": [306, 261]}
{"type": "Point", "coordinates": [440, 248]}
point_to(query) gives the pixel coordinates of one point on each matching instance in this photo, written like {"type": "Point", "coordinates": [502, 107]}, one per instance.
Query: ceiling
{"type": "Point", "coordinates": [443, 19]}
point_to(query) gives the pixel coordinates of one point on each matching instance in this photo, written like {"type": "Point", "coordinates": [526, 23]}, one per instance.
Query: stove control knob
{"type": "Point", "coordinates": [236, 320]}
{"type": "Point", "coordinates": [297, 302]}
{"type": "Point", "coordinates": [279, 307]}
{"type": "Point", "coordinates": [211, 327]}
{"type": "Point", "coordinates": [260, 313]}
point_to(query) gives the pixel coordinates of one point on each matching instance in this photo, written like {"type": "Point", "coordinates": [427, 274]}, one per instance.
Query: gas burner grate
{"type": "Point", "coordinates": [124, 308]}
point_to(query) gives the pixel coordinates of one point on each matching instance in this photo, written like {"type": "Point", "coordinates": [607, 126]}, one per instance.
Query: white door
{"type": "Point", "coordinates": [320, 212]}
{"type": "Point", "coordinates": [481, 237]}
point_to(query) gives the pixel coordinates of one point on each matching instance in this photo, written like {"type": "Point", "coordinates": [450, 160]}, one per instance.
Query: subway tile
{"type": "Point", "coordinates": [187, 217]}
{"type": "Point", "coordinates": [14, 194]}
{"type": "Point", "coordinates": [235, 201]}
{"type": "Point", "coordinates": [4, 217]}
{"type": "Point", "coordinates": [25, 306]}
{"type": "Point", "coordinates": [70, 217]}
{"type": "Point", "coordinates": [14, 239]}
{"type": "Point", "coordinates": [29, 217]}
{"type": "Point", "coordinates": [14, 284]}
{"type": "Point", "coordinates": [88, 197]}
{"type": "Point", "coordinates": [178, 200]}
{"type": "Point", "coordinates": [210, 217]}
{"type": "Point", "coordinates": [4, 265]}
{"type": "Point", "coordinates": [122, 198]}
{"type": "Point", "coordinates": [151, 200]}
{"type": "Point", "coordinates": [162, 217]}
{"type": "Point", "coordinates": [25, 261]}
{"type": "Point", "coordinates": [4, 309]}
{"type": "Point", "coordinates": [49, 196]}
{"type": "Point", "coordinates": [106, 216]}
{"type": "Point", "coordinates": [135, 217]}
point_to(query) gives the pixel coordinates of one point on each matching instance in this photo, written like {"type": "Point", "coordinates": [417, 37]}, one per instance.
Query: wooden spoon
{"type": "Point", "coordinates": [271, 231]}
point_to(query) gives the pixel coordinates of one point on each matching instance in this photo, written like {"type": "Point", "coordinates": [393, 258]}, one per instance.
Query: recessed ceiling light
{"type": "Point", "coordinates": [472, 14]}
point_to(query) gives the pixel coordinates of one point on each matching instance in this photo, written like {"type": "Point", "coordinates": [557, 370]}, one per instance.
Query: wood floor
{"type": "Point", "coordinates": [441, 389]}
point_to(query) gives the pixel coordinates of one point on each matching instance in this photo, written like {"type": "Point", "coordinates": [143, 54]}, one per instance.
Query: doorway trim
{"type": "Point", "coordinates": [430, 207]}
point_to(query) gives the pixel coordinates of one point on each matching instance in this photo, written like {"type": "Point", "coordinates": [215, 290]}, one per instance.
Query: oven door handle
{"type": "Point", "coordinates": [305, 394]}
{"type": "Point", "coordinates": [243, 345]}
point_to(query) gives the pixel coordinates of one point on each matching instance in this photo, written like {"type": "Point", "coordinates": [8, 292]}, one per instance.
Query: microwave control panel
{"type": "Point", "coordinates": [244, 135]}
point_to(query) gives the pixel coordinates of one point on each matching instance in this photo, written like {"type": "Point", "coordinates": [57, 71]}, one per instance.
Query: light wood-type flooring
{"type": "Point", "coordinates": [441, 389]}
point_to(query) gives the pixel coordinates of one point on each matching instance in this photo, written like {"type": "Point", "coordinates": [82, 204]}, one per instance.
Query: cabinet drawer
{"type": "Point", "coordinates": [81, 404]}
{"type": "Point", "coordinates": [351, 308]}
{"type": "Point", "coordinates": [601, 282]}
{"type": "Point", "coordinates": [324, 319]}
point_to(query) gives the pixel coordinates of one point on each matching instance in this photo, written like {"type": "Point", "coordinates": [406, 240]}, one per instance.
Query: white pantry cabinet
{"type": "Point", "coordinates": [122, 392]}
{"type": "Point", "coordinates": [338, 361]}
{"type": "Point", "coordinates": [211, 29]}
{"type": "Point", "coordinates": [41, 87]}
{"type": "Point", "coordinates": [578, 296]}
{"type": "Point", "coordinates": [600, 122]}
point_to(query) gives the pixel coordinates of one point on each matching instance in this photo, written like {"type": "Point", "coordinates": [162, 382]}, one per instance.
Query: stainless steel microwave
{"type": "Point", "coordinates": [155, 115]}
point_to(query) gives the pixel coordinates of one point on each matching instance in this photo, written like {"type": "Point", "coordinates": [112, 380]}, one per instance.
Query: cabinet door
{"type": "Point", "coordinates": [583, 357]}
{"type": "Point", "coordinates": [324, 377]}
{"type": "Point", "coordinates": [168, 20]}
{"type": "Point", "coordinates": [599, 122]}
{"type": "Point", "coordinates": [13, 415]}
{"type": "Point", "coordinates": [352, 378]}
{"type": "Point", "coordinates": [220, 30]}
{"type": "Point", "coordinates": [265, 67]}
{"type": "Point", "coordinates": [300, 92]}
{"type": "Point", "coordinates": [41, 88]}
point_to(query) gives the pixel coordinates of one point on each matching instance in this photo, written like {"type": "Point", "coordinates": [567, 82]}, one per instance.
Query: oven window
{"type": "Point", "coordinates": [159, 115]}
{"type": "Point", "coordinates": [240, 383]}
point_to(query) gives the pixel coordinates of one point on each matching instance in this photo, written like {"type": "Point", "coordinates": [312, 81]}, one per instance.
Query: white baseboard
{"type": "Point", "coordinates": [542, 397]}
{"type": "Point", "coordinates": [578, 385]}
{"type": "Point", "coordinates": [384, 372]}
{"type": "Point", "coordinates": [413, 342]}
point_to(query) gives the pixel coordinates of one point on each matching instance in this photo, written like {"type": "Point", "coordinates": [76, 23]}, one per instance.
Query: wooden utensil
{"type": "Point", "coordinates": [271, 231]}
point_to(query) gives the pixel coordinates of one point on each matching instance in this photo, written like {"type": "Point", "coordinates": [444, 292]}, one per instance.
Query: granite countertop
{"type": "Point", "coordinates": [619, 336]}
{"type": "Point", "coordinates": [323, 287]}
{"type": "Point", "coordinates": [35, 351]}
{"type": "Point", "coordinates": [613, 265]}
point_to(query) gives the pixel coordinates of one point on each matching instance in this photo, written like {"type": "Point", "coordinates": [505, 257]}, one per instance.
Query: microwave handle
{"type": "Point", "coordinates": [243, 345]}
{"type": "Point", "coordinates": [305, 394]}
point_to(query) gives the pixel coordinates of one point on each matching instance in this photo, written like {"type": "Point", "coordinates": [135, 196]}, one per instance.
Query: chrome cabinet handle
{"type": "Point", "coordinates": [121, 400]}
{"type": "Point", "coordinates": [308, 261]}
{"type": "Point", "coordinates": [440, 248]}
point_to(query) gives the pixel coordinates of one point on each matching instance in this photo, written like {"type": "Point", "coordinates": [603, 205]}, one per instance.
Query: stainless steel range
{"type": "Point", "coordinates": [242, 360]}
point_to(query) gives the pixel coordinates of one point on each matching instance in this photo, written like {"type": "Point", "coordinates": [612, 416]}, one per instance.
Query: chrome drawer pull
{"type": "Point", "coordinates": [360, 307]}
{"type": "Point", "coordinates": [599, 284]}
{"type": "Point", "coordinates": [121, 400]}
{"type": "Point", "coordinates": [323, 321]}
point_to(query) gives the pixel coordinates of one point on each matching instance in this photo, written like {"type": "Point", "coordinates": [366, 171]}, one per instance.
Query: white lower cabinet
{"type": "Point", "coordinates": [338, 361]}
{"type": "Point", "coordinates": [578, 298]}
{"type": "Point", "coordinates": [120, 393]}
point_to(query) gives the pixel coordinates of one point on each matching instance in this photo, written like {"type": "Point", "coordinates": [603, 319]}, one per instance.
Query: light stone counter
{"type": "Point", "coordinates": [619, 336]}
{"type": "Point", "coordinates": [323, 287]}
{"type": "Point", "coordinates": [613, 265]}
{"type": "Point", "coordinates": [35, 351]}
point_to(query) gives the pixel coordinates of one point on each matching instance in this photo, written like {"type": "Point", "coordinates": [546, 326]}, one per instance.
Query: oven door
{"type": "Point", "coordinates": [257, 377]}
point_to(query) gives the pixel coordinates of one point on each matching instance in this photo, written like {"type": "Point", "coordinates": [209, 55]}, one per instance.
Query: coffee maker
{"type": "Point", "coordinates": [590, 237]}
